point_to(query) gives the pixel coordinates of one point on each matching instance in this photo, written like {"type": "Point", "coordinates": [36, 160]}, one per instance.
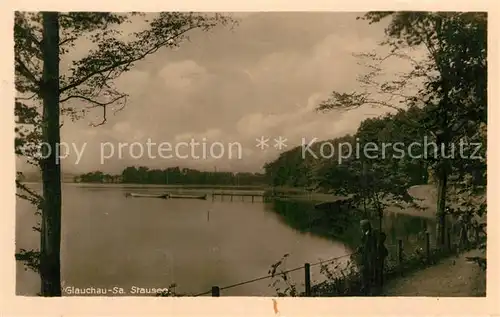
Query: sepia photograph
{"type": "Point", "coordinates": [250, 154]}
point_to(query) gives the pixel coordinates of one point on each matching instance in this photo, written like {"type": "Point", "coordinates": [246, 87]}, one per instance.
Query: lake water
{"type": "Point", "coordinates": [109, 241]}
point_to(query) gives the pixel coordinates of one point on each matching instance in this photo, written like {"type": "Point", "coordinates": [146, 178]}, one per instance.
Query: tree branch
{"type": "Point", "coordinates": [104, 118]}
{"type": "Point", "coordinates": [21, 68]}
{"type": "Point", "coordinates": [126, 62]}
{"type": "Point", "coordinates": [27, 98]}
{"type": "Point", "coordinates": [28, 35]}
{"type": "Point", "coordinates": [69, 39]}
{"type": "Point", "coordinates": [95, 102]}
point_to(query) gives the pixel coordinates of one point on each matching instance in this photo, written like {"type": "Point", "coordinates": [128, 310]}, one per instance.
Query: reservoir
{"type": "Point", "coordinates": [113, 242]}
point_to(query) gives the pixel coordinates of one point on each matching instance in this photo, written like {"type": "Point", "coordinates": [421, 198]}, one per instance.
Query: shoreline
{"type": "Point", "coordinates": [295, 193]}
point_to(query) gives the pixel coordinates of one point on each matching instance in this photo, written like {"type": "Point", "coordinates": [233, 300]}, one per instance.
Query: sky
{"type": "Point", "coordinates": [263, 78]}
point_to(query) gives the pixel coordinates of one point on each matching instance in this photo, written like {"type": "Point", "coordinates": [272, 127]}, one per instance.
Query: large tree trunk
{"type": "Point", "coordinates": [442, 183]}
{"type": "Point", "coordinates": [441, 207]}
{"type": "Point", "coordinates": [50, 244]}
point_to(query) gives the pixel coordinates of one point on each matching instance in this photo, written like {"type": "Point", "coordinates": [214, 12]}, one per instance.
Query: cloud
{"type": "Point", "coordinates": [182, 75]}
{"type": "Point", "coordinates": [210, 134]}
{"type": "Point", "coordinates": [121, 127]}
{"type": "Point", "coordinates": [257, 124]}
{"type": "Point", "coordinates": [329, 65]}
{"type": "Point", "coordinates": [264, 77]}
{"type": "Point", "coordinates": [134, 82]}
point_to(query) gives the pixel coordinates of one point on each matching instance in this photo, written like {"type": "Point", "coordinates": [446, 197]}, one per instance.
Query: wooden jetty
{"type": "Point", "coordinates": [242, 196]}
{"type": "Point", "coordinates": [167, 196]}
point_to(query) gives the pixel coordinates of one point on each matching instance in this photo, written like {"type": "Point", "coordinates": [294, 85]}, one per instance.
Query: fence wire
{"type": "Point", "coordinates": [280, 273]}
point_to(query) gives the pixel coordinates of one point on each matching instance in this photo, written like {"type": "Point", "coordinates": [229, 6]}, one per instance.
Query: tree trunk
{"type": "Point", "coordinates": [442, 182]}
{"type": "Point", "coordinates": [441, 207]}
{"type": "Point", "coordinates": [380, 219]}
{"type": "Point", "coordinates": [364, 188]}
{"type": "Point", "coordinates": [50, 243]}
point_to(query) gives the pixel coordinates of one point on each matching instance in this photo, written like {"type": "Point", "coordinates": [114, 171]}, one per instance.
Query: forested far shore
{"type": "Point", "coordinates": [173, 176]}
{"type": "Point", "coordinates": [390, 171]}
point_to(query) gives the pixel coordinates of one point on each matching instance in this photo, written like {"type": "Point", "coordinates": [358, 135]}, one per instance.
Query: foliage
{"type": "Point", "coordinates": [449, 83]}
{"type": "Point", "coordinates": [372, 182]}
{"type": "Point", "coordinates": [281, 276]}
{"type": "Point", "coordinates": [170, 292]}
{"type": "Point", "coordinates": [440, 99]}
{"type": "Point", "coordinates": [343, 279]}
{"type": "Point", "coordinates": [31, 258]}
{"type": "Point", "coordinates": [297, 167]}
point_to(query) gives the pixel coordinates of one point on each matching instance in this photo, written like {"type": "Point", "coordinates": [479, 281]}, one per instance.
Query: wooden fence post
{"type": "Point", "coordinates": [215, 291]}
{"type": "Point", "coordinates": [400, 251]}
{"type": "Point", "coordinates": [427, 247]}
{"type": "Point", "coordinates": [307, 271]}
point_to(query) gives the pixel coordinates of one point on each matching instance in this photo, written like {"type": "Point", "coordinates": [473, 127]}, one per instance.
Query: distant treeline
{"type": "Point", "coordinates": [318, 167]}
{"type": "Point", "coordinates": [399, 165]}
{"type": "Point", "coordinates": [173, 176]}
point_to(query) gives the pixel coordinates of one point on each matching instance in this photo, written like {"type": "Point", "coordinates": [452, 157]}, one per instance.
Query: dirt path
{"type": "Point", "coordinates": [452, 277]}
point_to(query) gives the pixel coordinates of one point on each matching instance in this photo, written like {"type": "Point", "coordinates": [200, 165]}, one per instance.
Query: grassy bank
{"type": "Point", "coordinates": [410, 240]}
{"type": "Point", "coordinates": [347, 282]}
